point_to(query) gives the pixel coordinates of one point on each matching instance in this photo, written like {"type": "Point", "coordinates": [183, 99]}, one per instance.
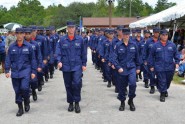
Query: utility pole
{"type": "Point", "coordinates": [110, 12]}
{"type": "Point", "coordinates": [130, 9]}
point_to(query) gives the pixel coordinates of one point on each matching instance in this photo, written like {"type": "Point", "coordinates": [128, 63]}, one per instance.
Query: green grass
{"type": "Point", "coordinates": [177, 79]}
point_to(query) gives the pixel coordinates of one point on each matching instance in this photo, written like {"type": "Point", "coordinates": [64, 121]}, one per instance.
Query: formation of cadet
{"type": "Point", "coordinates": [122, 59]}
{"type": "Point", "coordinates": [28, 59]}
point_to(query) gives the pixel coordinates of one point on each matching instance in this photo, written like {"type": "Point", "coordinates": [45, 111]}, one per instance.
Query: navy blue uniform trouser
{"type": "Point", "coordinates": [107, 71]}
{"type": "Point", "coordinates": [164, 79]}
{"type": "Point", "coordinates": [145, 70]}
{"type": "Point", "coordinates": [125, 80]}
{"type": "Point", "coordinates": [115, 77]}
{"type": "Point", "coordinates": [153, 79]}
{"type": "Point", "coordinates": [34, 83]}
{"type": "Point", "coordinates": [73, 85]}
{"type": "Point", "coordinates": [21, 87]}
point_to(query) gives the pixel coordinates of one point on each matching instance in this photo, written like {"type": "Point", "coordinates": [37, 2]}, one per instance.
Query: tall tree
{"type": "Point", "coordinates": [162, 5]}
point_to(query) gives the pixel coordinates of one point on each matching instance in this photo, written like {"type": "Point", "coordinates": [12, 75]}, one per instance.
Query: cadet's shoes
{"type": "Point", "coordinates": [162, 97]}
{"type": "Point", "coordinates": [20, 111]}
{"type": "Point", "coordinates": [104, 80]}
{"type": "Point", "coordinates": [27, 105]}
{"type": "Point", "coordinates": [40, 88]}
{"type": "Point", "coordinates": [109, 84]}
{"type": "Point", "coordinates": [71, 107]}
{"type": "Point", "coordinates": [51, 76]}
{"type": "Point", "coordinates": [146, 84]}
{"type": "Point", "coordinates": [122, 106]}
{"type": "Point", "coordinates": [34, 95]}
{"type": "Point", "coordinates": [152, 90]}
{"type": "Point", "coordinates": [131, 104]}
{"type": "Point", "coordinates": [166, 94]}
{"type": "Point", "coordinates": [126, 91]}
{"type": "Point", "coordinates": [116, 90]}
{"type": "Point", "coordinates": [77, 107]}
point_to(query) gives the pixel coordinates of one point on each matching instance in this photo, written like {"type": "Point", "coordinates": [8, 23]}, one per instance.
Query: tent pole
{"type": "Point", "coordinates": [174, 29]}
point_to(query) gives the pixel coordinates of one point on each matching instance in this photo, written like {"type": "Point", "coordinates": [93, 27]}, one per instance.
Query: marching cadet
{"type": "Point", "coordinates": [72, 58]}
{"type": "Point", "coordinates": [144, 68]}
{"type": "Point", "coordinates": [163, 59]}
{"type": "Point", "coordinates": [148, 46]}
{"type": "Point", "coordinates": [138, 39]}
{"type": "Point", "coordinates": [126, 61]}
{"type": "Point", "coordinates": [105, 50]}
{"type": "Point", "coordinates": [21, 60]}
{"type": "Point", "coordinates": [43, 48]}
{"type": "Point", "coordinates": [36, 48]}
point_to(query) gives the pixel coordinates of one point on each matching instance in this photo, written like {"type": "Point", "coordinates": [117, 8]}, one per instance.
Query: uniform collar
{"type": "Point", "coordinates": [75, 37]}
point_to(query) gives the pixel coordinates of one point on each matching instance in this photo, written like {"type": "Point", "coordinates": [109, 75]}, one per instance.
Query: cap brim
{"type": "Point", "coordinates": [126, 33]}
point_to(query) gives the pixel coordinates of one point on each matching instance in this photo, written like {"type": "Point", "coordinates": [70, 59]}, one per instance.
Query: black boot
{"type": "Point", "coordinates": [46, 77]}
{"type": "Point", "coordinates": [27, 105]}
{"type": "Point", "coordinates": [162, 97]}
{"type": "Point", "coordinates": [116, 90]}
{"type": "Point", "coordinates": [51, 76]}
{"type": "Point", "coordinates": [20, 111]}
{"type": "Point", "coordinates": [77, 107]}
{"type": "Point", "coordinates": [109, 84]}
{"type": "Point", "coordinates": [71, 107]}
{"type": "Point", "coordinates": [131, 103]}
{"type": "Point", "coordinates": [104, 80]}
{"type": "Point", "coordinates": [122, 106]}
{"type": "Point", "coordinates": [40, 88]}
{"type": "Point", "coordinates": [146, 84]}
{"type": "Point", "coordinates": [152, 90]}
{"type": "Point", "coordinates": [34, 93]}
{"type": "Point", "coordinates": [166, 94]}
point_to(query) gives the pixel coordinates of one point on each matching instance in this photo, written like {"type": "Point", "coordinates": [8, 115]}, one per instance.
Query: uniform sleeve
{"type": "Point", "coordinates": [39, 57]}
{"type": "Point", "coordinates": [137, 56]}
{"type": "Point", "coordinates": [58, 52]}
{"type": "Point", "coordinates": [33, 61]}
{"type": "Point", "coordinates": [7, 62]}
{"type": "Point", "coordinates": [176, 55]}
{"type": "Point", "coordinates": [145, 52]}
{"type": "Point", "coordinates": [151, 57]}
{"type": "Point", "coordinates": [102, 48]}
{"type": "Point", "coordinates": [84, 54]}
{"type": "Point", "coordinates": [115, 59]}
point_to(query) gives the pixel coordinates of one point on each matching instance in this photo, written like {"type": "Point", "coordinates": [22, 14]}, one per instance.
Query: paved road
{"type": "Point", "coordinates": [99, 104]}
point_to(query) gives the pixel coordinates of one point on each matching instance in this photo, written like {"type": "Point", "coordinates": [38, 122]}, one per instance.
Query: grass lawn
{"type": "Point", "coordinates": [177, 79]}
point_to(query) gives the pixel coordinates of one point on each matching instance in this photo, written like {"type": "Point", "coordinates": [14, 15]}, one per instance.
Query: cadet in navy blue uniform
{"type": "Point", "coordinates": [72, 58]}
{"type": "Point", "coordinates": [144, 68]}
{"type": "Point", "coordinates": [105, 50]}
{"type": "Point", "coordinates": [163, 59]}
{"type": "Point", "coordinates": [147, 50]}
{"type": "Point", "coordinates": [126, 61]}
{"type": "Point", "coordinates": [2, 53]}
{"type": "Point", "coordinates": [36, 48]}
{"type": "Point", "coordinates": [43, 47]}
{"type": "Point", "coordinates": [21, 60]}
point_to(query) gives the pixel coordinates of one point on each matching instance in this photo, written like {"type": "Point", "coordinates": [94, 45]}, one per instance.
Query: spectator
{"type": "Point", "coordinates": [2, 53]}
{"type": "Point", "coordinates": [10, 39]}
{"type": "Point", "coordinates": [181, 69]}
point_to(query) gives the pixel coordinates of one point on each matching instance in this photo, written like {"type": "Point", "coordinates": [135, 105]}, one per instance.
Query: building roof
{"type": "Point", "coordinates": [104, 21]}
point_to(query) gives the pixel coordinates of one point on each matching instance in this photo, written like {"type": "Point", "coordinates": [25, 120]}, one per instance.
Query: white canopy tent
{"type": "Point", "coordinates": [168, 15]}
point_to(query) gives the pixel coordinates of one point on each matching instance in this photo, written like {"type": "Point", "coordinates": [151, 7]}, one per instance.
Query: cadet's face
{"type": "Point", "coordinates": [164, 37]}
{"type": "Point", "coordinates": [71, 30]}
{"type": "Point", "coordinates": [139, 34]}
{"type": "Point", "coordinates": [156, 34]}
{"type": "Point", "coordinates": [120, 32]}
{"type": "Point", "coordinates": [126, 36]}
{"type": "Point", "coordinates": [147, 35]}
{"type": "Point", "coordinates": [27, 36]}
{"type": "Point", "coordinates": [111, 36]}
{"type": "Point", "coordinates": [34, 33]}
{"type": "Point", "coordinates": [20, 36]}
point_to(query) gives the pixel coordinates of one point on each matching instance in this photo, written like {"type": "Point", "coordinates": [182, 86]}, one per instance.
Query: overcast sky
{"type": "Point", "coordinates": [9, 3]}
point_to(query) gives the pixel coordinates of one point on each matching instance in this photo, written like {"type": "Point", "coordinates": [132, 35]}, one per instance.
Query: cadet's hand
{"type": "Point", "coordinates": [39, 69]}
{"type": "Point", "coordinates": [83, 68]}
{"type": "Point", "coordinates": [145, 63]}
{"type": "Point", "coordinates": [98, 56]}
{"type": "Point", "coordinates": [120, 70]}
{"type": "Point", "coordinates": [109, 64]}
{"type": "Point", "coordinates": [103, 60]}
{"type": "Point", "coordinates": [94, 51]}
{"type": "Point", "coordinates": [151, 69]}
{"type": "Point", "coordinates": [45, 61]}
{"type": "Point", "coordinates": [113, 67]}
{"type": "Point", "coordinates": [48, 57]}
{"type": "Point", "coordinates": [32, 76]}
{"type": "Point", "coordinates": [177, 66]}
{"type": "Point", "coordinates": [137, 71]}
{"type": "Point", "coordinates": [7, 75]}
{"type": "Point", "coordinates": [59, 65]}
